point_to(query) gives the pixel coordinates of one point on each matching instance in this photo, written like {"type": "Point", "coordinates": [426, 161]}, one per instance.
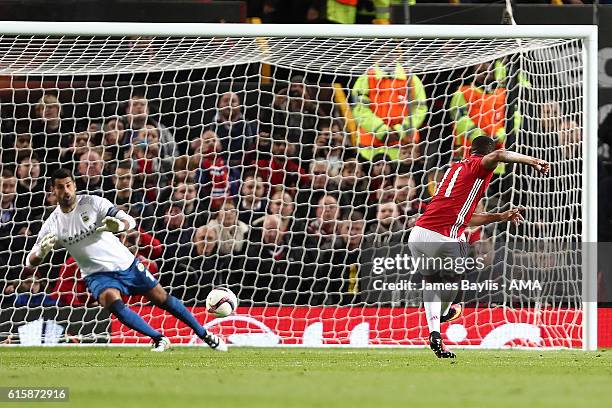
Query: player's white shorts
{"type": "Point", "coordinates": [437, 249]}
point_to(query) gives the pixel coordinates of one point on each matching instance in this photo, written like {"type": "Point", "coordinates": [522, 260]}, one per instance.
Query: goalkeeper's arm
{"type": "Point", "coordinates": [41, 249]}
{"type": "Point", "coordinates": [117, 221]}
{"type": "Point", "coordinates": [491, 160]}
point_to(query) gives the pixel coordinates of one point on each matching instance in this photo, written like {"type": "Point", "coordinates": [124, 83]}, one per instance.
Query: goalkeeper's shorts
{"type": "Point", "coordinates": [135, 280]}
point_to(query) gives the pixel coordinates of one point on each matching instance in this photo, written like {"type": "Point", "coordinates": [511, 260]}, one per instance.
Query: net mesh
{"type": "Point", "coordinates": [243, 162]}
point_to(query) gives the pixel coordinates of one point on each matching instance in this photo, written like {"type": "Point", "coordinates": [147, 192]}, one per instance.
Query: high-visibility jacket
{"type": "Point", "coordinates": [342, 11]}
{"type": "Point", "coordinates": [477, 112]}
{"type": "Point", "coordinates": [345, 11]}
{"type": "Point", "coordinates": [386, 103]}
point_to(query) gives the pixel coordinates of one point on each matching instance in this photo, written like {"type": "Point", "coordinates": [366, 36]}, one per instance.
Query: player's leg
{"type": "Point", "coordinates": [422, 245]}
{"type": "Point", "coordinates": [160, 298]}
{"type": "Point", "coordinates": [110, 299]}
{"type": "Point", "coordinates": [451, 309]}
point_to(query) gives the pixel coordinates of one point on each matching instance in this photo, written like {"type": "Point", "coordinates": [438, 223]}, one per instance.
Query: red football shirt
{"type": "Point", "coordinates": [456, 198]}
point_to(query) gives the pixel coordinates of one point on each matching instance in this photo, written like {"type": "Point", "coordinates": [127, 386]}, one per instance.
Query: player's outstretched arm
{"type": "Point", "coordinates": [41, 250]}
{"type": "Point", "coordinates": [513, 215]}
{"type": "Point", "coordinates": [491, 160]}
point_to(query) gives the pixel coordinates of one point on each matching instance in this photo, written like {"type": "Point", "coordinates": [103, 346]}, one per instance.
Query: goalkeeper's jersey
{"type": "Point", "coordinates": [76, 231]}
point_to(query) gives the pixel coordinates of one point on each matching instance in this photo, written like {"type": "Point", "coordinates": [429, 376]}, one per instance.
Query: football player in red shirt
{"type": "Point", "coordinates": [438, 234]}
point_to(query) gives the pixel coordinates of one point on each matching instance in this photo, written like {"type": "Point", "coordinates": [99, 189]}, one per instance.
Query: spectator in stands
{"type": "Point", "coordinates": [329, 145]}
{"type": "Point", "coordinates": [354, 185]}
{"type": "Point", "coordinates": [252, 203]}
{"type": "Point", "coordinates": [172, 231]}
{"type": "Point", "coordinates": [380, 175]}
{"type": "Point", "coordinates": [95, 129]}
{"type": "Point", "coordinates": [566, 129]}
{"type": "Point", "coordinates": [323, 230]}
{"type": "Point", "coordinates": [389, 106]}
{"type": "Point", "coordinates": [11, 147]}
{"type": "Point", "coordinates": [324, 181]}
{"type": "Point", "coordinates": [387, 230]}
{"type": "Point", "coordinates": [237, 136]}
{"type": "Point", "coordinates": [30, 186]}
{"type": "Point", "coordinates": [48, 129]}
{"type": "Point", "coordinates": [23, 142]}
{"type": "Point", "coordinates": [175, 235]}
{"type": "Point", "coordinates": [113, 140]}
{"type": "Point", "coordinates": [77, 146]}
{"type": "Point", "coordinates": [295, 116]}
{"type": "Point", "coordinates": [281, 203]}
{"type": "Point", "coordinates": [12, 216]}
{"type": "Point", "coordinates": [323, 240]}
{"type": "Point", "coordinates": [184, 171]}
{"type": "Point", "coordinates": [280, 169]}
{"type": "Point", "coordinates": [13, 228]}
{"type": "Point", "coordinates": [405, 196]}
{"type": "Point", "coordinates": [231, 232]}
{"type": "Point", "coordinates": [270, 270]}
{"type": "Point", "coordinates": [130, 199]}
{"type": "Point", "coordinates": [343, 285]}
{"type": "Point", "coordinates": [151, 136]}
{"type": "Point", "coordinates": [145, 150]}
{"type": "Point", "coordinates": [28, 290]}
{"type": "Point", "coordinates": [185, 195]}
{"type": "Point", "coordinates": [138, 116]}
{"type": "Point", "coordinates": [197, 267]}
{"type": "Point", "coordinates": [216, 179]}
{"type": "Point", "coordinates": [90, 177]}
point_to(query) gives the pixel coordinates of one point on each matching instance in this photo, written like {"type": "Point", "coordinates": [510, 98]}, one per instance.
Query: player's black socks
{"type": "Point", "coordinates": [132, 319]}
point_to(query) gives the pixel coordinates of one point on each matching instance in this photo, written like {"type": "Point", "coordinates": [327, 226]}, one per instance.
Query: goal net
{"type": "Point", "coordinates": [287, 163]}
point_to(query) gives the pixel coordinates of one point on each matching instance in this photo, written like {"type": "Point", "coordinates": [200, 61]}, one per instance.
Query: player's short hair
{"type": "Point", "coordinates": [61, 173]}
{"type": "Point", "coordinates": [483, 145]}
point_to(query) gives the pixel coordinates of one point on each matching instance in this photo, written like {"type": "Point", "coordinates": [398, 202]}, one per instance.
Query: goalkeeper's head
{"type": "Point", "coordinates": [482, 145]}
{"type": "Point", "coordinates": [64, 188]}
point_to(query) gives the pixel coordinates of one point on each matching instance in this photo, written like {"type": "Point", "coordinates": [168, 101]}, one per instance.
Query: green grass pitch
{"type": "Point", "coordinates": [247, 377]}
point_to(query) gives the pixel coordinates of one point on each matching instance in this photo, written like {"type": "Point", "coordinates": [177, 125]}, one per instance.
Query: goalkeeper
{"type": "Point", "coordinates": [85, 225]}
{"type": "Point", "coordinates": [390, 106]}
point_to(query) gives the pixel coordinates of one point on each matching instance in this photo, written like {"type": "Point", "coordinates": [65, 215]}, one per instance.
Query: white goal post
{"type": "Point", "coordinates": [444, 54]}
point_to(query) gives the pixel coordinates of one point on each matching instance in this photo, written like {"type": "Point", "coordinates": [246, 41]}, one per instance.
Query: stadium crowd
{"type": "Point", "coordinates": [277, 207]}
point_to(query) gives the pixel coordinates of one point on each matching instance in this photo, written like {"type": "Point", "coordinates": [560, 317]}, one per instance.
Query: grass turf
{"type": "Point", "coordinates": [198, 377]}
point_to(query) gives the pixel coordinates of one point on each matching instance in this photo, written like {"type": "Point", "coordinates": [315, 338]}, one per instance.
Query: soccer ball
{"type": "Point", "coordinates": [221, 302]}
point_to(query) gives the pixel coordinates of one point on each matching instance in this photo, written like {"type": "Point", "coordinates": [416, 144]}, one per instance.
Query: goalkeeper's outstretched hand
{"type": "Point", "coordinates": [46, 245]}
{"type": "Point", "coordinates": [111, 224]}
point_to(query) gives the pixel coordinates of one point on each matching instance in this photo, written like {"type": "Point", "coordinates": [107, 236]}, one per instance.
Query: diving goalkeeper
{"type": "Point", "coordinates": [85, 225]}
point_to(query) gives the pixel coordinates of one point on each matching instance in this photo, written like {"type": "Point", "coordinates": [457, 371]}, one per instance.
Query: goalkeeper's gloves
{"type": "Point", "coordinates": [46, 245]}
{"type": "Point", "coordinates": [111, 224]}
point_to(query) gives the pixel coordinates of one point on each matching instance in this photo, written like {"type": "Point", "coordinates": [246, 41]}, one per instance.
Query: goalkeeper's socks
{"type": "Point", "coordinates": [132, 320]}
{"type": "Point", "coordinates": [178, 310]}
